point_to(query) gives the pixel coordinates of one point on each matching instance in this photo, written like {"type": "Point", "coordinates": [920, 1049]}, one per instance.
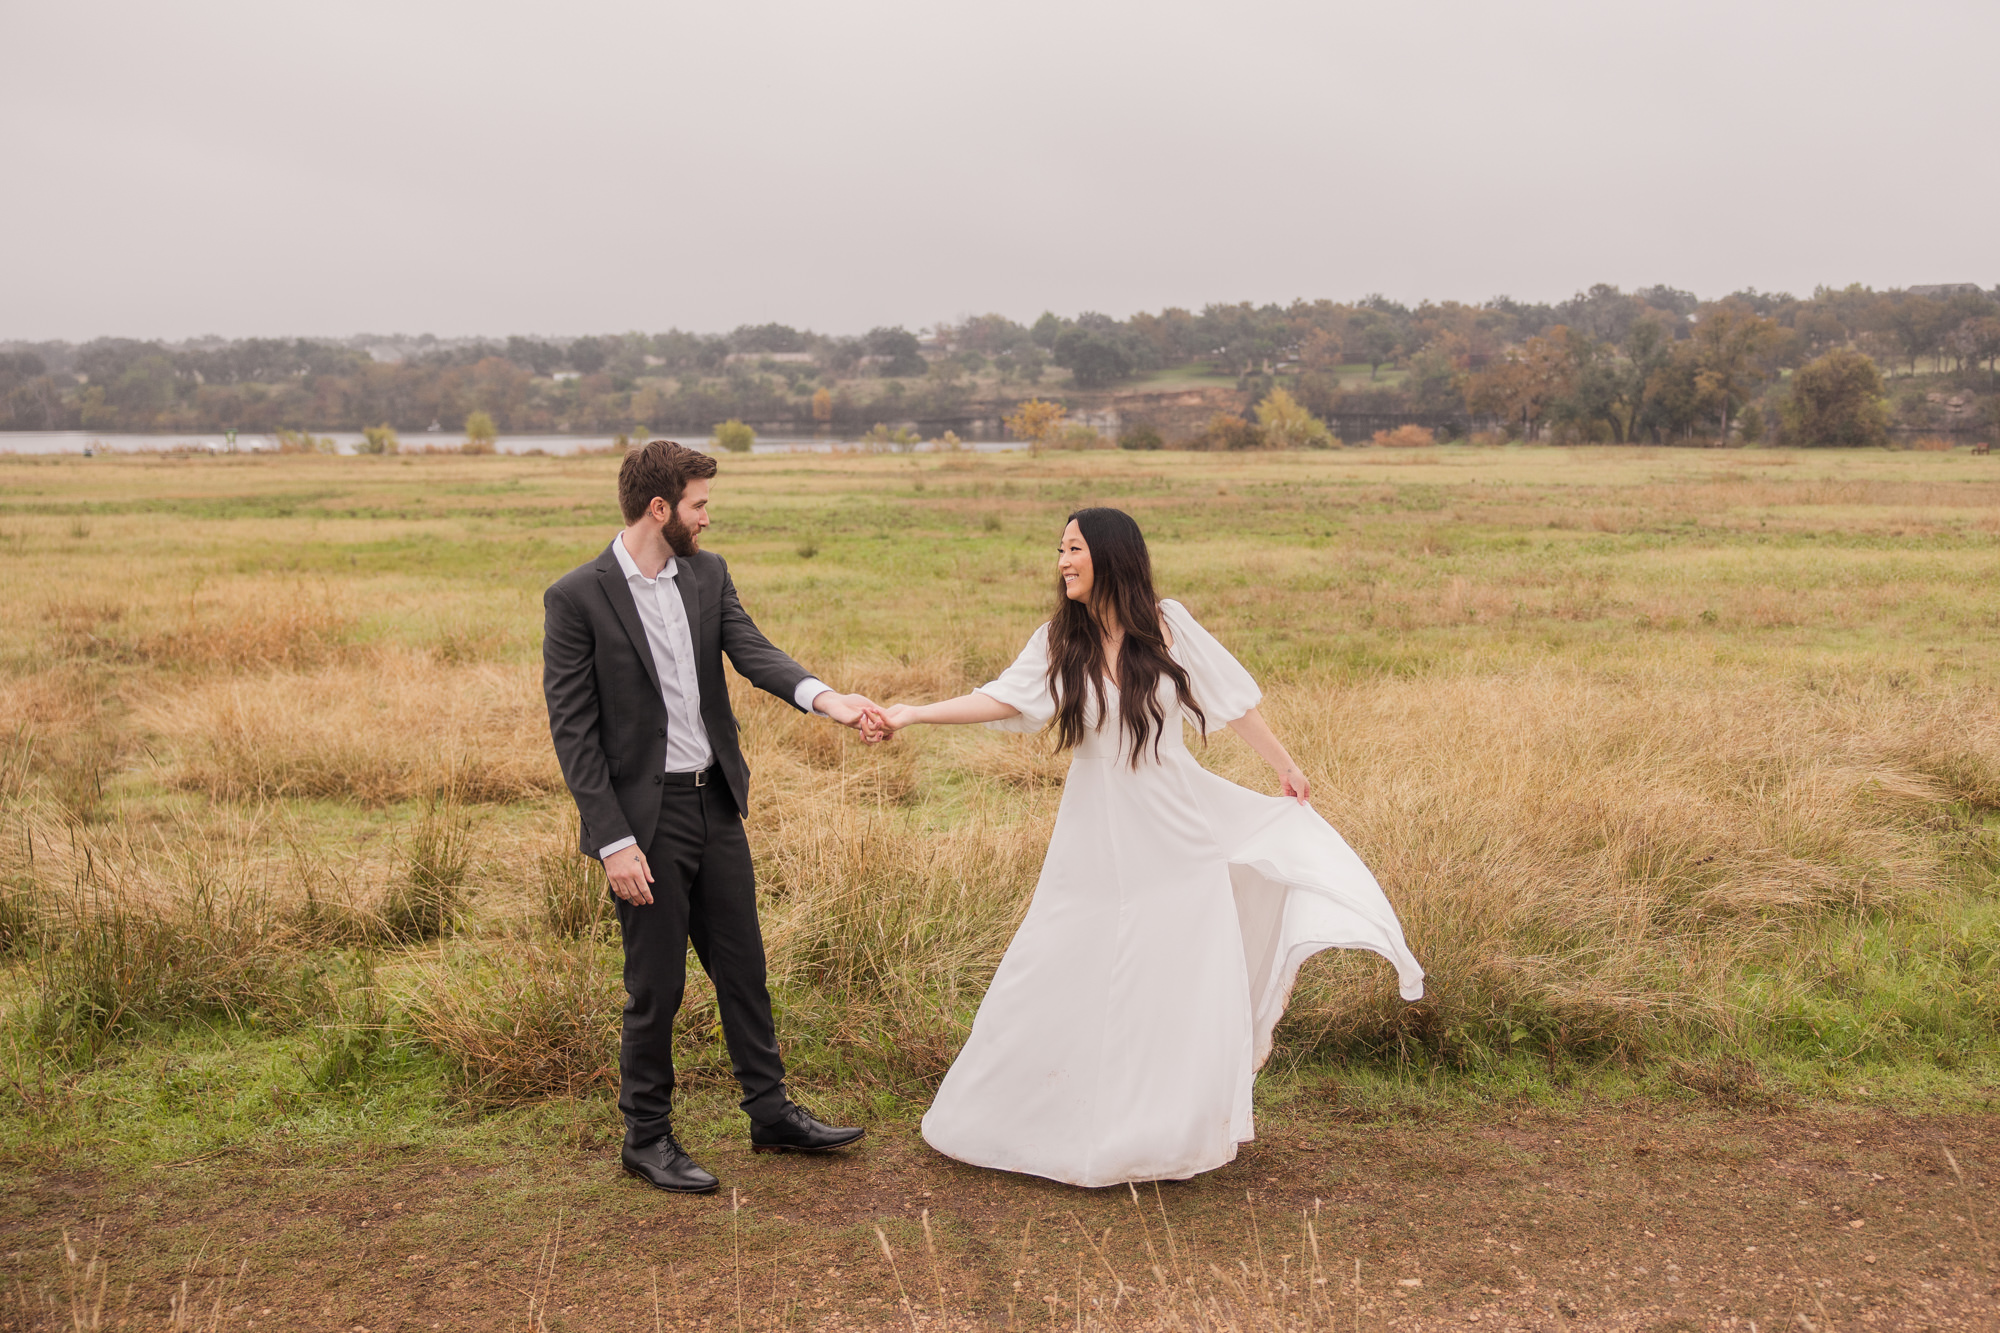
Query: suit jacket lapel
{"type": "Point", "coordinates": [619, 594]}
{"type": "Point", "coordinates": [688, 582]}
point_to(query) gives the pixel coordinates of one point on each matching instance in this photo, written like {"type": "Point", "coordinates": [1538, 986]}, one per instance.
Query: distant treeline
{"type": "Point", "coordinates": [1609, 365]}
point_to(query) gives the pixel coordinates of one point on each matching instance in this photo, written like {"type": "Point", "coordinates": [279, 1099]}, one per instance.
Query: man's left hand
{"type": "Point", "coordinates": [852, 710]}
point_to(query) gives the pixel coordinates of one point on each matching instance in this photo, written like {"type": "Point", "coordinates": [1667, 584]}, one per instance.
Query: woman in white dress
{"type": "Point", "coordinates": [1127, 1021]}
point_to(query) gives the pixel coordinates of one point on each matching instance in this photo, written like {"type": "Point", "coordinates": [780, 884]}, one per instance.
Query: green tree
{"type": "Point", "coordinates": [898, 351]}
{"type": "Point", "coordinates": [1287, 425]}
{"type": "Point", "coordinates": [1095, 358]}
{"type": "Point", "coordinates": [378, 440]}
{"type": "Point", "coordinates": [1732, 356]}
{"type": "Point", "coordinates": [1377, 342]}
{"type": "Point", "coordinates": [1434, 383]}
{"type": "Point", "coordinates": [1975, 340]}
{"type": "Point", "coordinates": [1837, 400]}
{"type": "Point", "coordinates": [1917, 323]}
{"type": "Point", "coordinates": [480, 434]}
{"type": "Point", "coordinates": [1046, 330]}
{"type": "Point", "coordinates": [734, 436]}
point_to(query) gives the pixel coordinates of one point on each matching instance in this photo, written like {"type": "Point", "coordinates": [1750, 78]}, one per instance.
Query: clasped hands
{"type": "Point", "coordinates": [872, 720]}
{"type": "Point", "coordinates": [857, 711]}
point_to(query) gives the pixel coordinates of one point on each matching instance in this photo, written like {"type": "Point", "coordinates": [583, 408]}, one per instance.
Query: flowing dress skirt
{"type": "Point", "coordinates": [1124, 1027]}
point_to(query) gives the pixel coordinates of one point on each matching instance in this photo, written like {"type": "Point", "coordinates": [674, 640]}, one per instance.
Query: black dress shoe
{"type": "Point", "coordinates": [796, 1131]}
{"type": "Point", "coordinates": [664, 1165]}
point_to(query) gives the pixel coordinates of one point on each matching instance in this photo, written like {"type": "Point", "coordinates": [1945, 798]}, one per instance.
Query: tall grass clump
{"type": "Point", "coordinates": [353, 1035]}
{"type": "Point", "coordinates": [123, 946]}
{"type": "Point", "coordinates": [575, 896]}
{"type": "Point", "coordinates": [518, 1023]}
{"type": "Point", "coordinates": [20, 887]}
{"type": "Point", "coordinates": [427, 898]}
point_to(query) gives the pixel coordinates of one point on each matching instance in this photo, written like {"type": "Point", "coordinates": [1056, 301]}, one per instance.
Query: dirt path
{"type": "Point", "coordinates": [1617, 1219]}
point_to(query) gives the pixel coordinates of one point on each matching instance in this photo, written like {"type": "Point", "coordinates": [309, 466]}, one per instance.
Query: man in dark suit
{"type": "Point", "coordinates": [640, 716]}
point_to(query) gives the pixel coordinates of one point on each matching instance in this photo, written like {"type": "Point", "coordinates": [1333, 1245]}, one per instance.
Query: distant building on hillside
{"type": "Point", "coordinates": [781, 358]}
{"type": "Point", "coordinates": [1947, 289]}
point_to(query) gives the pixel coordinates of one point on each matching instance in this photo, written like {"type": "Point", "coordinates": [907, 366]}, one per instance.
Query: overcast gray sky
{"type": "Point", "coordinates": [268, 167]}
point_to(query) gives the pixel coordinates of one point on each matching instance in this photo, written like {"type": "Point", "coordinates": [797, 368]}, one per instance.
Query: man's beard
{"type": "Point", "coordinates": [680, 540]}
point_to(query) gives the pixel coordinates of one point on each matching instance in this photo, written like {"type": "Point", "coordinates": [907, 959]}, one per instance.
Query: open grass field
{"type": "Point", "coordinates": [1680, 766]}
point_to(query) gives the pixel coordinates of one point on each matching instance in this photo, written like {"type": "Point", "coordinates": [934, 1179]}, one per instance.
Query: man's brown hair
{"type": "Point", "coordinates": [662, 468]}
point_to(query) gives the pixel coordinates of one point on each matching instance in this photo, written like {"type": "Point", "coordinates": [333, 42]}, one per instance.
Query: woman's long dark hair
{"type": "Point", "coordinates": [1121, 597]}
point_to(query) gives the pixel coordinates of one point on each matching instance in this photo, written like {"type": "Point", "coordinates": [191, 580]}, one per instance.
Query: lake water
{"type": "Point", "coordinates": [79, 442]}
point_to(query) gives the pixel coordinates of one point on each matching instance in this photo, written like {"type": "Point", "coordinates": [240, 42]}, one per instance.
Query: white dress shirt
{"type": "Point", "coordinates": [671, 642]}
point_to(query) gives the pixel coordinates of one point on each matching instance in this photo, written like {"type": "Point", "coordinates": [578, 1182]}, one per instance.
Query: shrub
{"type": "Point", "coordinates": [1141, 437]}
{"type": "Point", "coordinates": [1403, 437]}
{"type": "Point", "coordinates": [1286, 425]}
{"type": "Point", "coordinates": [1078, 437]}
{"type": "Point", "coordinates": [1750, 424]}
{"type": "Point", "coordinates": [379, 440]}
{"type": "Point", "coordinates": [901, 439]}
{"type": "Point", "coordinates": [734, 436]}
{"type": "Point", "coordinates": [1227, 432]}
{"type": "Point", "coordinates": [305, 442]}
{"type": "Point", "coordinates": [1837, 400]}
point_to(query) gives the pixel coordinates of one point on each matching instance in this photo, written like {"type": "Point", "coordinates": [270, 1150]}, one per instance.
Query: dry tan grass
{"type": "Point", "coordinates": [1598, 864]}
{"type": "Point", "coordinates": [1616, 728]}
{"type": "Point", "coordinates": [244, 625]}
{"type": "Point", "coordinates": [393, 726]}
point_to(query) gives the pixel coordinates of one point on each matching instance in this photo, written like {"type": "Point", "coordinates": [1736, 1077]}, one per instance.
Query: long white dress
{"type": "Point", "coordinates": [1127, 1021]}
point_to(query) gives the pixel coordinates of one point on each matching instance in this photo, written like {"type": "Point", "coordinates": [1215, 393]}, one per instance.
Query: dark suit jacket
{"type": "Point", "coordinates": [606, 716]}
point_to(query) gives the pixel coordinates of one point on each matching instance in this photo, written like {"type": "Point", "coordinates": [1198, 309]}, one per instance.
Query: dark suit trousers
{"type": "Point", "coordinates": [705, 893]}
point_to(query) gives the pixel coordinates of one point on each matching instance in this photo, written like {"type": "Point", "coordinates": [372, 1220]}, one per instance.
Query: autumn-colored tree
{"type": "Point", "coordinates": [1837, 400]}
{"type": "Point", "coordinates": [1287, 425]}
{"type": "Point", "coordinates": [822, 406]}
{"type": "Point", "coordinates": [1036, 421]}
{"type": "Point", "coordinates": [1321, 351]}
{"type": "Point", "coordinates": [1732, 356]}
{"type": "Point", "coordinates": [1523, 386]}
{"type": "Point", "coordinates": [1171, 334]}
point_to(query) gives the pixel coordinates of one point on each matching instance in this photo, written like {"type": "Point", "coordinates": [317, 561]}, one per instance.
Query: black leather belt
{"type": "Point", "coordinates": [701, 779]}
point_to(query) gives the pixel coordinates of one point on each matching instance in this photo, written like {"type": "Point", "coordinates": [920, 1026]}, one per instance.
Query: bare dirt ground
{"type": "Point", "coordinates": [1614, 1219]}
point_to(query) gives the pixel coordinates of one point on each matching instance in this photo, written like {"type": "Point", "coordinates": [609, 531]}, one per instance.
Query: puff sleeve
{"type": "Point", "coordinates": [1025, 685]}
{"type": "Point", "coordinates": [1222, 687]}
